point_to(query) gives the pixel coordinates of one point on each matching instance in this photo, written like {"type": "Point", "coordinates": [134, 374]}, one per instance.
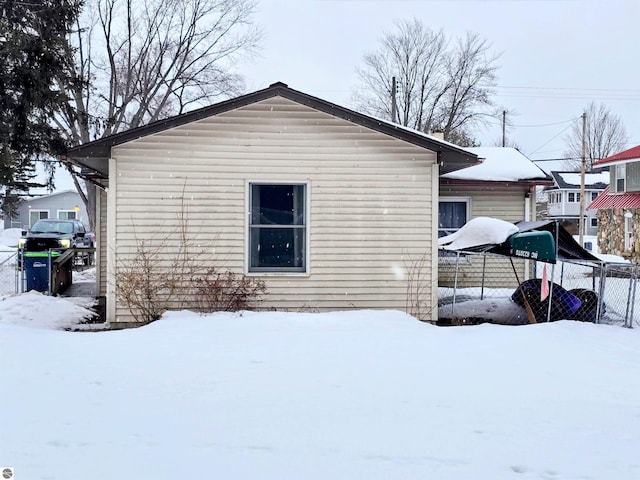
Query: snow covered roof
{"type": "Point", "coordinates": [572, 180]}
{"type": "Point", "coordinates": [504, 164]}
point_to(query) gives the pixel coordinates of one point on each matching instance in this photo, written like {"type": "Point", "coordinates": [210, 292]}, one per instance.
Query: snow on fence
{"type": "Point", "coordinates": [484, 287]}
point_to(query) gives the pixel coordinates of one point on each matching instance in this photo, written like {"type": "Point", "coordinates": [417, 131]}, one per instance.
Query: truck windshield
{"type": "Point", "coordinates": [43, 226]}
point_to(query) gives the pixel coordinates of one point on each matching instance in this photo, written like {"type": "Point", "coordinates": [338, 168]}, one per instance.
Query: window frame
{"type": "Point", "coordinates": [278, 271]}
{"type": "Point", "coordinates": [39, 211]}
{"type": "Point", "coordinates": [443, 255]}
{"type": "Point", "coordinates": [628, 233]}
{"type": "Point", "coordinates": [593, 222]}
{"type": "Point", "coordinates": [621, 176]}
{"type": "Point", "coordinates": [67, 211]}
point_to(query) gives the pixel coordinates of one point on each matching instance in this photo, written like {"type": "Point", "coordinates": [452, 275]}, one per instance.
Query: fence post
{"type": "Point", "coordinates": [484, 271]}
{"type": "Point", "coordinates": [550, 296]}
{"type": "Point", "coordinates": [633, 296]}
{"type": "Point", "coordinates": [17, 272]}
{"type": "Point", "coordinates": [628, 319]}
{"type": "Point", "coordinates": [455, 284]}
{"type": "Point", "coordinates": [49, 271]}
{"type": "Point", "coordinates": [603, 276]}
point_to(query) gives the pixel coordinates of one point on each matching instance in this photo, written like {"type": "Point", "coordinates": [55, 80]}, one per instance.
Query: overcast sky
{"type": "Point", "coordinates": [557, 55]}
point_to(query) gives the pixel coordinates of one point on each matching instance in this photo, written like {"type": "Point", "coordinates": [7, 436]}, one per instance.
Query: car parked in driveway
{"type": "Point", "coordinates": [56, 234]}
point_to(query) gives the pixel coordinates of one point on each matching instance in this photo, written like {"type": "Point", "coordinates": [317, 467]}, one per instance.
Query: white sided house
{"type": "Point", "coordinates": [563, 199]}
{"type": "Point", "coordinates": [324, 204]}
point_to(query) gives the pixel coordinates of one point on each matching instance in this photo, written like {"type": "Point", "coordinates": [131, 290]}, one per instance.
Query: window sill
{"type": "Point", "coordinates": [277, 274]}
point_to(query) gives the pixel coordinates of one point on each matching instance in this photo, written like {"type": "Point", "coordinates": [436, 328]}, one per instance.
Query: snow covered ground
{"type": "Point", "coordinates": [344, 395]}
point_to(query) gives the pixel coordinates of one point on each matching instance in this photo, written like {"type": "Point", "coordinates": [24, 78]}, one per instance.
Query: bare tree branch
{"type": "Point", "coordinates": [138, 62]}
{"type": "Point", "coordinates": [440, 87]}
{"type": "Point", "coordinates": [605, 135]}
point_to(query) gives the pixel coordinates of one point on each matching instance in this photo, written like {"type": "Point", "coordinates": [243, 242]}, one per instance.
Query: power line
{"type": "Point", "coordinates": [545, 124]}
{"type": "Point", "coordinates": [636, 90]}
{"type": "Point", "coordinates": [567, 92]}
{"type": "Point", "coordinates": [552, 138]}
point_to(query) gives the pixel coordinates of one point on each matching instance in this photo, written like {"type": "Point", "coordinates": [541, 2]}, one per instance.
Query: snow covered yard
{"type": "Point", "coordinates": [345, 395]}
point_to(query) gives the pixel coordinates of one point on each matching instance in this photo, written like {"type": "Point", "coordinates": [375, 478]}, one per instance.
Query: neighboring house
{"type": "Point", "coordinates": [324, 204]}
{"type": "Point", "coordinates": [63, 205]}
{"type": "Point", "coordinates": [618, 206]}
{"type": "Point", "coordinates": [563, 199]}
{"type": "Point", "coordinates": [502, 186]}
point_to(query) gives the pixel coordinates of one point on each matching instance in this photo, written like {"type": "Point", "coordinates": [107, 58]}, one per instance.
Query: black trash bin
{"type": "Point", "coordinates": [37, 269]}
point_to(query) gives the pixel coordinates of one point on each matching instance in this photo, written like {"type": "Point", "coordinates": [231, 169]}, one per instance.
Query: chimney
{"type": "Point", "coordinates": [438, 134]}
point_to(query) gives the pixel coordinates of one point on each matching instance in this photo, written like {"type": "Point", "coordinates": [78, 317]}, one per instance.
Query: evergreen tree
{"type": "Point", "coordinates": [34, 51]}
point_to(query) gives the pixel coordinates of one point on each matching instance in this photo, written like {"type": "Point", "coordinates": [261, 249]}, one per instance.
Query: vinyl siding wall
{"type": "Point", "coordinates": [370, 201]}
{"type": "Point", "coordinates": [101, 236]}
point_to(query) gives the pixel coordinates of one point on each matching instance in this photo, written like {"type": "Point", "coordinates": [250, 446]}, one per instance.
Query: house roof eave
{"type": "Point", "coordinates": [524, 183]}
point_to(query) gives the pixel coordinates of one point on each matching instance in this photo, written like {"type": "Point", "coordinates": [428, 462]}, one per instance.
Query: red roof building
{"type": "Point", "coordinates": [618, 206]}
{"type": "Point", "coordinates": [630, 154]}
{"type": "Point", "coordinates": [615, 200]}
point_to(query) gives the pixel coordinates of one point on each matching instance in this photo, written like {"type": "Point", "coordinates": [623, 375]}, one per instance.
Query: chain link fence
{"type": "Point", "coordinates": [487, 288]}
{"type": "Point", "coordinates": [9, 273]}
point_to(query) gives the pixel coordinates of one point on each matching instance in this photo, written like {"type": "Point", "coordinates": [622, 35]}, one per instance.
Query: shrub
{"type": "Point", "coordinates": [228, 292]}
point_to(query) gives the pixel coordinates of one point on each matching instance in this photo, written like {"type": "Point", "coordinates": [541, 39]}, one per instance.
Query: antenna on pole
{"type": "Point", "coordinates": [582, 172]}
{"type": "Point", "coordinates": [393, 99]}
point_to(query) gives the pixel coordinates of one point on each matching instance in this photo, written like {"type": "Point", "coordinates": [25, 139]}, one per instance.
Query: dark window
{"type": "Point", "coordinates": [277, 228]}
{"type": "Point", "coordinates": [452, 215]}
{"type": "Point", "coordinates": [620, 178]}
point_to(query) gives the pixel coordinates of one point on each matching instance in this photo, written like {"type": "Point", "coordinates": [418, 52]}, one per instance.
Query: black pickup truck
{"type": "Point", "coordinates": [50, 233]}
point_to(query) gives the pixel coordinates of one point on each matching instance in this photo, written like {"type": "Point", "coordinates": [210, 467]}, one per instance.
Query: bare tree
{"type": "Point", "coordinates": [136, 64]}
{"type": "Point", "coordinates": [441, 86]}
{"type": "Point", "coordinates": [605, 135]}
{"type": "Point", "coordinates": [471, 73]}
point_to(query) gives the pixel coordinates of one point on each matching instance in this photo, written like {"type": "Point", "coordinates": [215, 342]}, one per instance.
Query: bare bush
{"type": "Point", "coordinates": [228, 292]}
{"type": "Point", "coordinates": [142, 287]}
{"type": "Point", "coordinates": [418, 287]}
{"type": "Point", "coordinates": [174, 272]}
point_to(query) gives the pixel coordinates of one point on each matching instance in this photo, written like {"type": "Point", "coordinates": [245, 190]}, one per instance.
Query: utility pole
{"type": "Point", "coordinates": [393, 99]}
{"type": "Point", "coordinates": [582, 172]}
{"type": "Point", "coordinates": [504, 123]}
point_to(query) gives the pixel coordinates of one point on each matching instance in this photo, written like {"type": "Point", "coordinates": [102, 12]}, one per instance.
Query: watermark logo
{"type": "Point", "coordinates": [7, 473]}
